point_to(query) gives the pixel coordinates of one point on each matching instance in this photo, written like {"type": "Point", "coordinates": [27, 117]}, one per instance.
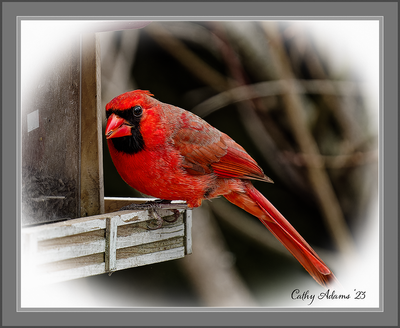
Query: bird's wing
{"type": "Point", "coordinates": [206, 150]}
{"type": "Point", "coordinates": [200, 148]}
{"type": "Point", "coordinates": [237, 163]}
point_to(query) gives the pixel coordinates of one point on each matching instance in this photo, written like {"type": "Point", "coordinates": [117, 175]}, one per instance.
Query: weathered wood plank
{"type": "Point", "coordinates": [86, 271]}
{"type": "Point", "coordinates": [95, 269]}
{"type": "Point", "coordinates": [82, 225]}
{"type": "Point", "coordinates": [188, 232]}
{"type": "Point", "coordinates": [139, 238]}
{"type": "Point", "coordinates": [73, 263]}
{"type": "Point", "coordinates": [113, 204]}
{"type": "Point", "coordinates": [50, 115]}
{"type": "Point", "coordinates": [92, 185]}
{"type": "Point", "coordinates": [128, 217]}
{"type": "Point", "coordinates": [146, 259]}
{"type": "Point", "coordinates": [73, 246]}
{"type": "Point", "coordinates": [149, 248]}
{"type": "Point", "coordinates": [111, 244]}
{"type": "Point", "coordinates": [70, 252]}
{"type": "Point", "coordinates": [72, 240]}
{"type": "Point", "coordinates": [66, 228]}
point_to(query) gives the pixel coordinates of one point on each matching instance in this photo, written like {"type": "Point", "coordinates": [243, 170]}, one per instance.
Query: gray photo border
{"type": "Point", "coordinates": [386, 11]}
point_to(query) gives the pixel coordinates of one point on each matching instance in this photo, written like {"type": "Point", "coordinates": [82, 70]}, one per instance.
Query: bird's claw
{"type": "Point", "coordinates": [158, 218]}
{"type": "Point", "coordinates": [176, 216]}
{"type": "Point", "coordinates": [152, 206]}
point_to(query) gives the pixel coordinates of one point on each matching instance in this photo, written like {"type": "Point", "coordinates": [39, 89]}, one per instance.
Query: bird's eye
{"type": "Point", "coordinates": [137, 111]}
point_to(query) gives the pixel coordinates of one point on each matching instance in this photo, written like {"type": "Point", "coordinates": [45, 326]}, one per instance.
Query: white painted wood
{"type": "Point", "coordinates": [111, 242]}
{"type": "Point", "coordinates": [146, 259]}
{"type": "Point", "coordinates": [82, 225]}
{"type": "Point", "coordinates": [188, 231]}
{"type": "Point", "coordinates": [151, 236]}
{"type": "Point", "coordinates": [75, 273]}
{"type": "Point", "coordinates": [128, 217]}
{"type": "Point", "coordinates": [128, 199]}
{"type": "Point", "coordinates": [67, 228]}
{"type": "Point", "coordinates": [69, 252]}
{"type": "Point", "coordinates": [28, 255]}
{"type": "Point", "coordinates": [139, 200]}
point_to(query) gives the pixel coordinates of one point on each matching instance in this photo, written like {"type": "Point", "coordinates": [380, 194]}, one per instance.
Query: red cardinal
{"type": "Point", "coordinates": [169, 153]}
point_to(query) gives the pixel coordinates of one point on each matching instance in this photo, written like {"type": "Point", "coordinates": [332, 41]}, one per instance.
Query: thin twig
{"type": "Point", "coordinates": [333, 162]}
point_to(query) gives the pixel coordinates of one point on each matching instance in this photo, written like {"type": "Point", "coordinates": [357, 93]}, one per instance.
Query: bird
{"type": "Point", "coordinates": [172, 154]}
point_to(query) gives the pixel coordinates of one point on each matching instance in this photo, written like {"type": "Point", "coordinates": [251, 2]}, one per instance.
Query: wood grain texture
{"type": "Point", "coordinates": [51, 150]}
{"type": "Point", "coordinates": [111, 244]}
{"type": "Point", "coordinates": [113, 204]}
{"type": "Point", "coordinates": [92, 185]}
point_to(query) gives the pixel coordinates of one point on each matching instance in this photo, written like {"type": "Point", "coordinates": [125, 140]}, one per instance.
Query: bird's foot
{"type": "Point", "coordinates": [152, 206]}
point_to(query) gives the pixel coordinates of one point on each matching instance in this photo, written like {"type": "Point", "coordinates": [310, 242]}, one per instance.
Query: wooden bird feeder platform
{"type": "Point", "coordinates": [103, 244]}
{"type": "Point", "coordinates": [68, 228]}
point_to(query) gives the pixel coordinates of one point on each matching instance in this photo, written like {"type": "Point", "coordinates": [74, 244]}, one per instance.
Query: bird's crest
{"type": "Point", "coordinates": [144, 92]}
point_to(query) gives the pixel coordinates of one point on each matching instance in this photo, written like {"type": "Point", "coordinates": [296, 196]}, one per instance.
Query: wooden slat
{"type": "Point", "coordinates": [146, 259]}
{"type": "Point", "coordinates": [113, 204]}
{"type": "Point", "coordinates": [82, 225]}
{"type": "Point", "coordinates": [188, 232]}
{"type": "Point", "coordinates": [69, 264]}
{"type": "Point", "coordinates": [150, 248]}
{"type": "Point", "coordinates": [50, 134]}
{"type": "Point", "coordinates": [72, 240]}
{"type": "Point", "coordinates": [70, 252]}
{"type": "Point", "coordinates": [92, 185]}
{"type": "Point", "coordinates": [75, 273]}
{"type": "Point", "coordinates": [168, 232]}
{"type": "Point", "coordinates": [111, 244]}
{"type": "Point", "coordinates": [67, 228]}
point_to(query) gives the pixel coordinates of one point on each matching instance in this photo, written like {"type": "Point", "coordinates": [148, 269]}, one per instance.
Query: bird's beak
{"type": "Point", "coordinates": [117, 127]}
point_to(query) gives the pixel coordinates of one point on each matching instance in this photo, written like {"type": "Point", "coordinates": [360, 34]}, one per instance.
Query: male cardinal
{"type": "Point", "coordinates": [170, 153]}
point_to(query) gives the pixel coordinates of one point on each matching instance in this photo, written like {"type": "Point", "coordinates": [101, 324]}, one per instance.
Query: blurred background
{"type": "Point", "coordinates": [302, 97]}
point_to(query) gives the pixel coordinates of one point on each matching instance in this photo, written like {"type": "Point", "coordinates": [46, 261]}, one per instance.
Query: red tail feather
{"type": "Point", "coordinates": [255, 203]}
